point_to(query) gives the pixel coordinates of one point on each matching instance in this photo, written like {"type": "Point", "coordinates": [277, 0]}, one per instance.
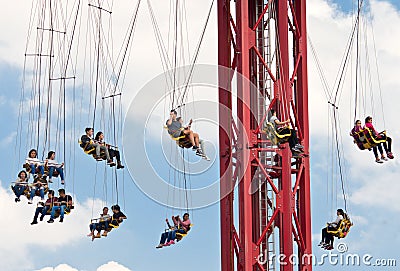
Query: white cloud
{"type": "Point", "coordinates": [61, 267]}
{"type": "Point", "coordinates": [110, 266]}
{"type": "Point", "coordinates": [19, 236]}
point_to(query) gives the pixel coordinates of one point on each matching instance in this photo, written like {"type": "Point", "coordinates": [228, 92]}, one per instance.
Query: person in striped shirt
{"type": "Point", "coordinates": [53, 165]}
{"type": "Point", "coordinates": [34, 162]}
{"type": "Point", "coordinates": [21, 185]}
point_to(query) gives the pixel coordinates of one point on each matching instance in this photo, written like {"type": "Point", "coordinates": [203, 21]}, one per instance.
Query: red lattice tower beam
{"type": "Point", "coordinates": [280, 203]}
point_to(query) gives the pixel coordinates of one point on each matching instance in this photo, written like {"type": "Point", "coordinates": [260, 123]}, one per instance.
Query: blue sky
{"type": "Point", "coordinates": [374, 205]}
{"type": "Point", "coordinates": [348, 6]}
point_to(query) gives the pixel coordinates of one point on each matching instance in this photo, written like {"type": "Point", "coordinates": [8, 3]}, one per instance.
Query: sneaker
{"type": "Point", "coordinates": [34, 222]}
{"type": "Point", "coordinates": [328, 247]}
{"type": "Point", "coordinates": [41, 217]}
{"type": "Point", "coordinates": [119, 166]}
{"type": "Point", "coordinates": [299, 146]}
{"type": "Point", "coordinates": [321, 244]}
{"type": "Point", "coordinates": [50, 180]}
{"type": "Point", "coordinates": [295, 149]}
{"type": "Point", "coordinates": [384, 158]}
{"type": "Point", "coordinates": [110, 163]}
{"type": "Point", "coordinates": [166, 244]}
{"type": "Point", "coordinates": [16, 199]}
{"type": "Point", "coordinates": [205, 157]}
{"type": "Point", "coordinates": [62, 182]}
{"type": "Point", "coordinates": [50, 220]}
{"type": "Point", "coordinates": [199, 152]}
{"type": "Point", "coordinates": [61, 219]}
{"type": "Point", "coordinates": [30, 201]}
{"type": "Point", "coordinates": [379, 161]}
{"type": "Point", "coordinates": [390, 155]}
{"type": "Point", "coordinates": [160, 246]}
{"type": "Point", "coordinates": [172, 242]}
{"type": "Point", "coordinates": [105, 234]}
{"type": "Point", "coordinates": [195, 148]}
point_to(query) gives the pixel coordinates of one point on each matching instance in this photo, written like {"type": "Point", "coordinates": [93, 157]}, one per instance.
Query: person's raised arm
{"type": "Point", "coordinates": [169, 121]}
{"type": "Point", "coordinates": [281, 122]}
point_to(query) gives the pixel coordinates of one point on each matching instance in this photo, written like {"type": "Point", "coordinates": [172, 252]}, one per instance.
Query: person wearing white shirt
{"type": "Point", "coordinates": [20, 186]}
{"type": "Point", "coordinates": [53, 165]}
{"type": "Point", "coordinates": [327, 238]}
{"type": "Point", "coordinates": [34, 162]}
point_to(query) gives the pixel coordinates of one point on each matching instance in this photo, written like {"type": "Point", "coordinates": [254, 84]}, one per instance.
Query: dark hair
{"type": "Point", "coordinates": [174, 111]}
{"type": "Point", "coordinates": [22, 171]}
{"type": "Point", "coordinates": [33, 150]}
{"type": "Point", "coordinates": [368, 118]}
{"type": "Point", "coordinates": [340, 211]}
{"type": "Point", "coordinates": [115, 207]}
{"type": "Point", "coordinates": [88, 129]}
{"type": "Point", "coordinates": [98, 135]}
{"type": "Point", "coordinates": [357, 121]}
{"type": "Point", "coordinates": [50, 154]}
{"type": "Point", "coordinates": [185, 214]}
{"type": "Point", "coordinates": [270, 113]}
{"type": "Point", "coordinates": [51, 192]}
{"type": "Point", "coordinates": [61, 190]}
{"type": "Point", "coordinates": [105, 207]}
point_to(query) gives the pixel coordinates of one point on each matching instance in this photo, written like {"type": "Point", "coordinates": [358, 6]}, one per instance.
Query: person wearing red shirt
{"type": "Point", "coordinates": [386, 145]}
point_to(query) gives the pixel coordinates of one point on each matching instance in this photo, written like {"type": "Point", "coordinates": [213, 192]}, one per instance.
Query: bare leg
{"type": "Point", "coordinates": [190, 134]}
{"type": "Point", "coordinates": [196, 139]}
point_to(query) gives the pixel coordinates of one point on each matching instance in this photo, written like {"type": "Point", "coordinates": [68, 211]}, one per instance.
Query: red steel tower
{"type": "Point", "coordinates": [263, 43]}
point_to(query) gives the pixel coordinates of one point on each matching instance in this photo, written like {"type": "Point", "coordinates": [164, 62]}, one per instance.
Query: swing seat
{"type": "Point", "coordinates": [179, 235]}
{"type": "Point", "coordinates": [342, 230]}
{"type": "Point", "coordinates": [365, 139]}
{"type": "Point", "coordinates": [28, 169]}
{"type": "Point", "coordinates": [277, 137]}
{"type": "Point", "coordinates": [92, 150]}
{"type": "Point", "coordinates": [46, 171]}
{"type": "Point", "coordinates": [67, 211]}
{"type": "Point", "coordinates": [184, 142]}
{"type": "Point", "coordinates": [27, 191]}
{"type": "Point", "coordinates": [182, 136]}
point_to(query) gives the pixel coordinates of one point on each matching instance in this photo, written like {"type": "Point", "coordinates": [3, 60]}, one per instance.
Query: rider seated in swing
{"type": "Point", "coordinates": [33, 164]}
{"type": "Point", "coordinates": [21, 184]}
{"type": "Point", "coordinates": [116, 219]}
{"type": "Point", "coordinates": [180, 226]}
{"type": "Point", "coordinates": [176, 130]}
{"type": "Point", "coordinates": [328, 238]}
{"type": "Point", "coordinates": [99, 138]}
{"type": "Point", "coordinates": [387, 145]}
{"type": "Point", "coordinates": [87, 143]}
{"type": "Point", "coordinates": [53, 166]}
{"type": "Point", "coordinates": [359, 139]}
{"type": "Point", "coordinates": [100, 224]}
{"type": "Point", "coordinates": [43, 208]}
{"type": "Point", "coordinates": [294, 145]}
{"type": "Point", "coordinates": [63, 204]}
{"type": "Point", "coordinates": [39, 185]}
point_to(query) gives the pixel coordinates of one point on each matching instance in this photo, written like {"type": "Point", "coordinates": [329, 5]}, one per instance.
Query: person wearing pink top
{"type": "Point", "coordinates": [386, 145]}
{"type": "Point", "coordinates": [357, 128]}
{"type": "Point", "coordinates": [180, 226]}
